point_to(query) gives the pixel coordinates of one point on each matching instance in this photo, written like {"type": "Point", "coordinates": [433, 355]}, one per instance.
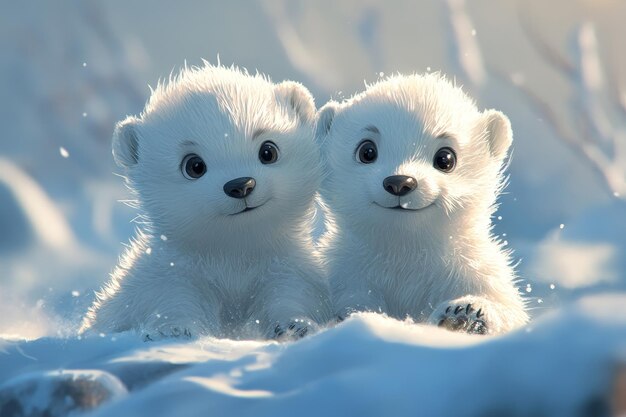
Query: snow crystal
{"type": "Point", "coordinates": [64, 153]}
{"type": "Point", "coordinates": [84, 64]}
{"type": "Point", "coordinates": [84, 114]}
{"type": "Point", "coordinates": [171, 263]}
{"type": "Point", "coordinates": [75, 293]}
{"type": "Point", "coordinates": [539, 301]}
{"type": "Point", "coordinates": [257, 321]}
{"type": "Point", "coordinates": [506, 242]}
{"type": "Point", "coordinates": [381, 74]}
{"type": "Point", "coordinates": [552, 286]}
{"type": "Point", "coordinates": [428, 69]}
{"type": "Point", "coordinates": [616, 194]}
{"type": "Point", "coordinates": [148, 251]}
{"type": "Point", "coordinates": [499, 217]}
{"type": "Point", "coordinates": [163, 238]}
{"type": "Point", "coordinates": [561, 226]}
{"type": "Point", "coordinates": [529, 288]}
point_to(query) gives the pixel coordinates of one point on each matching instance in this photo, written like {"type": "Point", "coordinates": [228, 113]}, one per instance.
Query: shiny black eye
{"type": "Point", "coordinates": [367, 152]}
{"type": "Point", "coordinates": [268, 154]}
{"type": "Point", "coordinates": [193, 167]}
{"type": "Point", "coordinates": [445, 160]}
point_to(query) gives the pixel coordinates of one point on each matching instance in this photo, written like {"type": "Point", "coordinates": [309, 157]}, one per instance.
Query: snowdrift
{"type": "Point", "coordinates": [563, 364]}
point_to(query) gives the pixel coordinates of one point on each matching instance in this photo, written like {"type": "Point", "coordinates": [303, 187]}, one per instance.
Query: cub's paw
{"type": "Point", "coordinates": [167, 333]}
{"type": "Point", "coordinates": [461, 316]}
{"type": "Point", "coordinates": [293, 330]}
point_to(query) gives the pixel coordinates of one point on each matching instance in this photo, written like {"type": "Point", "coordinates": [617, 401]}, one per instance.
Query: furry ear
{"type": "Point", "coordinates": [298, 98]}
{"type": "Point", "coordinates": [126, 142]}
{"type": "Point", "coordinates": [325, 118]}
{"type": "Point", "coordinates": [498, 130]}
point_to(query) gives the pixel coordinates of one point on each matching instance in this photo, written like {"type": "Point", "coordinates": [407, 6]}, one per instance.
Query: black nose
{"type": "Point", "coordinates": [399, 184]}
{"type": "Point", "coordinates": [239, 187]}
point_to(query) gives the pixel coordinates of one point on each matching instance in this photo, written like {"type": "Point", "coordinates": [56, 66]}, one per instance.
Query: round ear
{"type": "Point", "coordinates": [296, 96]}
{"type": "Point", "coordinates": [325, 118]}
{"type": "Point", "coordinates": [497, 128]}
{"type": "Point", "coordinates": [126, 142]}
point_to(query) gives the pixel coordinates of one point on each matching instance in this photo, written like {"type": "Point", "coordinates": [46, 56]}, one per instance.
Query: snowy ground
{"type": "Point", "coordinates": [563, 365]}
{"type": "Point", "coordinates": [70, 69]}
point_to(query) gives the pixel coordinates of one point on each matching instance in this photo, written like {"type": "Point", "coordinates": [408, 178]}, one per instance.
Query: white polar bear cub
{"type": "Point", "coordinates": [414, 173]}
{"type": "Point", "coordinates": [225, 169]}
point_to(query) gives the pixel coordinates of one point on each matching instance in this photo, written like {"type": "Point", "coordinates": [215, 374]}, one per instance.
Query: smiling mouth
{"type": "Point", "coordinates": [400, 208]}
{"type": "Point", "coordinates": [247, 209]}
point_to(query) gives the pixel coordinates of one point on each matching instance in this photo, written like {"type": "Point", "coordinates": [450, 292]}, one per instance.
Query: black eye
{"type": "Point", "coordinates": [367, 152]}
{"type": "Point", "coordinates": [445, 160]}
{"type": "Point", "coordinates": [193, 167]}
{"type": "Point", "coordinates": [268, 154]}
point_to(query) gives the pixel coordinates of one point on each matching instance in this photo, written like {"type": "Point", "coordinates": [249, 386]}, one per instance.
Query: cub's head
{"type": "Point", "coordinates": [412, 151]}
{"type": "Point", "coordinates": [220, 155]}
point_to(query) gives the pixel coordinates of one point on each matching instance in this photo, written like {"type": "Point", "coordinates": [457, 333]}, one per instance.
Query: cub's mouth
{"type": "Point", "coordinates": [247, 209]}
{"type": "Point", "coordinates": [398, 207]}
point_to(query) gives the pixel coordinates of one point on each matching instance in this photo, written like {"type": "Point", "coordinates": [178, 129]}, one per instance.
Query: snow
{"type": "Point", "coordinates": [72, 69]}
{"type": "Point", "coordinates": [369, 365]}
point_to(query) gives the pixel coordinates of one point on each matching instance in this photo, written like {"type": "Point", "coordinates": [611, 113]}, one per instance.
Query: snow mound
{"type": "Point", "coordinates": [57, 393]}
{"type": "Point", "coordinates": [562, 365]}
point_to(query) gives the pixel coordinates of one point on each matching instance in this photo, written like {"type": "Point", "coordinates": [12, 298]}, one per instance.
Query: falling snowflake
{"type": "Point", "coordinates": [64, 153]}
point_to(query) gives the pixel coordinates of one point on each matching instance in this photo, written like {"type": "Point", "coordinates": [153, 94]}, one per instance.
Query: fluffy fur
{"type": "Point", "coordinates": [196, 266]}
{"type": "Point", "coordinates": [436, 258]}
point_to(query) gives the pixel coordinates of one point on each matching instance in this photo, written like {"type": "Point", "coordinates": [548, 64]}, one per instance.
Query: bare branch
{"type": "Point", "coordinates": [547, 52]}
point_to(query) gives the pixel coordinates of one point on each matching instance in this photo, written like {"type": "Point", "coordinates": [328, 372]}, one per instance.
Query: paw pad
{"type": "Point", "coordinates": [464, 318]}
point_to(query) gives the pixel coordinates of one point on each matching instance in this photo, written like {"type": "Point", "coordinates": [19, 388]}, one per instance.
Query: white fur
{"type": "Point", "coordinates": [417, 263]}
{"type": "Point", "coordinates": [194, 268]}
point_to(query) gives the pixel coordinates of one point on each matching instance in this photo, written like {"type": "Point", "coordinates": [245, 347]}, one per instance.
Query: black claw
{"type": "Point", "coordinates": [441, 323]}
{"type": "Point", "coordinates": [448, 309]}
{"type": "Point", "coordinates": [458, 309]}
{"type": "Point", "coordinates": [292, 326]}
{"type": "Point", "coordinates": [468, 309]}
{"type": "Point", "coordinates": [339, 318]}
{"type": "Point", "coordinates": [479, 313]}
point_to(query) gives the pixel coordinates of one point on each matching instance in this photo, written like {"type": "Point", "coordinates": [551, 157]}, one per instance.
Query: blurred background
{"type": "Point", "coordinates": [70, 69]}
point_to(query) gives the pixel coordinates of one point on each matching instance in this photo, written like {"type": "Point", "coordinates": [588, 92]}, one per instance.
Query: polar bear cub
{"type": "Point", "coordinates": [414, 170]}
{"type": "Point", "coordinates": [225, 169]}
